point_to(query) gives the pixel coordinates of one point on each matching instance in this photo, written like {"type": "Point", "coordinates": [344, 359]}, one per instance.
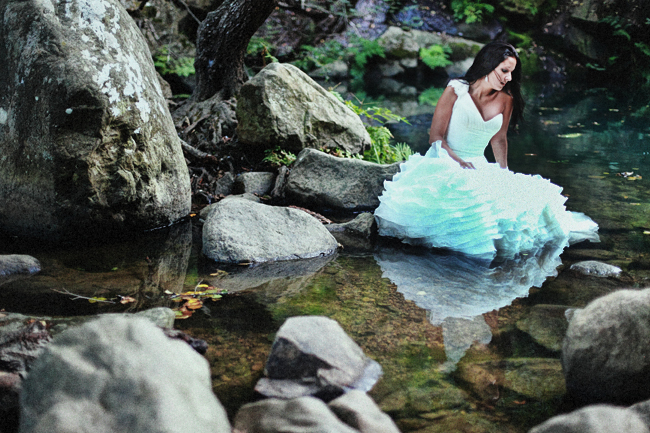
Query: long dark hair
{"type": "Point", "coordinates": [491, 56]}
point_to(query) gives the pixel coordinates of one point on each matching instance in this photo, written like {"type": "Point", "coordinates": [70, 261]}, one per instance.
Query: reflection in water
{"type": "Point", "coordinates": [274, 279]}
{"type": "Point", "coordinates": [456, 289]}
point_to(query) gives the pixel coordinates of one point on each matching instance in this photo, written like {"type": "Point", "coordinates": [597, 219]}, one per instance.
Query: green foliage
{"type": "Point", "coordinates": [261, 47]}
{"type": "Point", "coordinates": [430, 96]}
{"type": "Point", "coordinates": [278, 156]}
{"type": "Point", "coordinates": [166, 63]}
{"type": "Point", "coordinates": [520, 40]}
{"type": "Point", "coordinates": [471, 11]}
{"type": "Point", "coordinates": [381, 150]}
{"type": "Point", "coordinates": [363, 50]}
{"type": "Point", "coordinates": [436, 56]}
{"type": "Point", "coordinates": [315, 57]}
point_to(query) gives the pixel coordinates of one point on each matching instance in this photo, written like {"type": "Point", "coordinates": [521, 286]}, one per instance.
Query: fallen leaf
{"type": "Point", "coordinates": [646, 232]}
{"type": "Point", "coordinates": [574, 135]}
{"type": "Point", "coordinates": [96, 299]}
{"type": "Point", "coordinates": [126, 300]}
{"type": "Point", "coordinates": [519, 402]}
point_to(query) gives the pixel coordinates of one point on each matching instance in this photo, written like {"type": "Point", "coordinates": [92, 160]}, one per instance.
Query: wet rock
{"type": "Point", "coordinates": [320, 181]}
{"type": "Point", "coordinates": [238, 230]}
{"type": "Point", "coordinates": [304, 414]}
{"type": "Point", "coordinates": [119, 374]}
{"type": "Point", "coordinates": [356, 234]}
{"type": "Point", "coordinates": [282, 106]}
{"type": "Point", "coordinates": [594, 419]}
{"type": "Point", "coordinates": [102, 152]}
{"type": "Point", "coordinates": [359, 411]}
{"type": "Point", "coordinates": [546, 324]}
{"type": "Point", "coordinates": [18, 264]}
{"type": "Point", "coordinates": [596, 269]}
{"type": "Point", "coordinates": [605, 355]}
{"type": "Point", "coordinates": [254, 183]}
{"type": "Point", "coordinates": [312, 355]}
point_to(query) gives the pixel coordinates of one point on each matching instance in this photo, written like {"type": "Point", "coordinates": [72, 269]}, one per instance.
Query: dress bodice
{"type": "Point", "coordinates": [468, 134]}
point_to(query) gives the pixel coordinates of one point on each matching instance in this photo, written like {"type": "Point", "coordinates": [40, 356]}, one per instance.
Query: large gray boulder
{"type": "Point", "coordinates": [321, 181]}
{"type": "Point", "coordinates": [119, 374]}
{"type": "Point", "coordinates": [86, 137]}
{"type": "Point", "coordinates": [239, 230]}
{"type": "Point", "coordinates": [282, 106]}
{"type": "Point", "coordinates": [605, 354]}
{"type": "Point", "coordinates": [312, 355]}
{"type": "Point", "coordinates": [594, 419]}
{"type": "Point", "coordinates": [12, 264]}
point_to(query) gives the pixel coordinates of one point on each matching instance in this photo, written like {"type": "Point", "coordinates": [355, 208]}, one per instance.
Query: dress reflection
{"type": "Point", "coordinates": [456, 290]}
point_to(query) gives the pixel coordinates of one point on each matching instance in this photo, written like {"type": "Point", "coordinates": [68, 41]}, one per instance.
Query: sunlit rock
{"type": "Point", "coordinates": [321, 181]}
{"type": "Point", "coordinates": [119, 374]}
{"type": "Point", "coordinates": [282, 106]}
{"type": "Point", "coordinates": [239, 230]}
{"type": "Point", "coordinates": [594, 419]}
{"type": "Point", "coordinates": [274, 415]}
{"type": "Point", "coordinates": [605, 355]}
{"type": "Point", "coordinates": [312, 355]}
{"type": "Point", "coordinates": [86, 136]}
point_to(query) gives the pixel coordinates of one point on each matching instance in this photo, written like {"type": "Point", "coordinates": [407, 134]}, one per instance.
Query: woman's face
{"type": "Point", "coordinates": [502, 74]}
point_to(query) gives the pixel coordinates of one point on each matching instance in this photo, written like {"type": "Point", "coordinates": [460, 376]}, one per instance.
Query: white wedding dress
{"type": "Point", "coordinates": [484, 212]}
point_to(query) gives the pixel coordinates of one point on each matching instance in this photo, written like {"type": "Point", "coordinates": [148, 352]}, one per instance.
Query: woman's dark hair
{"type": "Point", "coordinates": [491, 56]}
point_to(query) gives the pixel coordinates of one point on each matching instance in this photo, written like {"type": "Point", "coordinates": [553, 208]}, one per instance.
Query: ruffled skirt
{"type": "Point", "coordinates": [484, 212]}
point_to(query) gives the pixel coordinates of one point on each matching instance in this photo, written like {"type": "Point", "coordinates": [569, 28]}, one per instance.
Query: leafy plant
{"type": "Point", "coordinates": [436, 56]}
{"type": "Point", "coordinates": [323, 54]}
{"type": "Point", "coordinates": [260, 46]}
{"type": "Point", "coordinates": [430, 96]}
{"type": "Point", "coordinates": [278, 156]}
{"type": "Point", "coordinates": [166, 63]}
{"type": "Point", "coordinates": [471, 11]}
{"type": "Point", "coordinates": [363, 50]}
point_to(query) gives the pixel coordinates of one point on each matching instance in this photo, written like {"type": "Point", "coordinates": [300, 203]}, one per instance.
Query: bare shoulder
{"type": "Point", "coordinates": [505, 100]}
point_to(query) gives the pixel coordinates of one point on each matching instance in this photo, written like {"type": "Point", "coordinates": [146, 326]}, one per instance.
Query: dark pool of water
{"type": "Point", "coordinates": [459, 340]}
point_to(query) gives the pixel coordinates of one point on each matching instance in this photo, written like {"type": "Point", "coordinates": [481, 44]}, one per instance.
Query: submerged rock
{"type": "Point", "coordinates": [312, 355]}
{"type": "Point", "coordinates": [119, 374]}
{"type": "Point", "coordinates": [594, 419]}
{"type": "Point", "coordinates": [239, 230]}
{"type": "Point", "coordinates": [282, 106]}
{"type": "Point", "coordinates": [546, 324]}
{"type": "Point", "coordinates": [356, 234]}
{"type": "Point", "coordinates": [605, 354]}
{"type": "Point", "coordinates": [88, 143]}
{"type": "Point", "coordinates": [321, 181]}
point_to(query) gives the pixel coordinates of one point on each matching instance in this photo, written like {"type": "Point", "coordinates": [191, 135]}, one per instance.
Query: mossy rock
{"type": "Point", "coordinates": [461, 51]}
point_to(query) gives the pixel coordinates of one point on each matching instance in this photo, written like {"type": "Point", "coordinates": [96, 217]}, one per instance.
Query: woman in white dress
{"type": "Point", "coordinates": [453, 198]}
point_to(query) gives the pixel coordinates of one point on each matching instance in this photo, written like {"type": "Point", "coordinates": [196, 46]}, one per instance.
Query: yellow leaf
{"type": "Point", "coordinates": [574, 135]}
{"type": "Point", "coordinates": [203, 285]}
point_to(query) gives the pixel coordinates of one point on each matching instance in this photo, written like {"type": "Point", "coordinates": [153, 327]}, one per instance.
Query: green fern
{"type": "Point", "coordinates": [436, 56]}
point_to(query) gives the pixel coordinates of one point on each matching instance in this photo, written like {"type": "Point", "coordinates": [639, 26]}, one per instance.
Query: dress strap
{"type": "Point", "coordinates": [460, 88]}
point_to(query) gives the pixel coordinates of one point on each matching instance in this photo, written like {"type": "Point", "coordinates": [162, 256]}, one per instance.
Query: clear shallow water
{"type": "Point", "coordinates": [459, 341]}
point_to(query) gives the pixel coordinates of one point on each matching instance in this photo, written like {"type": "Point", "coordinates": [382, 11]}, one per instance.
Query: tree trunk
{"type": "Point", "coordinates": [221, 46]}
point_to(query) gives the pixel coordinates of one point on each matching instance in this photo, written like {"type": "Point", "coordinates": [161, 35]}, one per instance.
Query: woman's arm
{"type": "Point", "coordinates": [440, 123]}
{"type": "Point", "coordinates": [499, 142]}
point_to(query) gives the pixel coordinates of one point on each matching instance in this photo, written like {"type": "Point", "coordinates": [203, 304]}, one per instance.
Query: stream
{"type": "Point", "coordinates": [465, 345]}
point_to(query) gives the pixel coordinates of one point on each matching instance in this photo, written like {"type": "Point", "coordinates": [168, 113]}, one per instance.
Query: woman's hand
{"type": "Point", "coordinates": [464, 164]}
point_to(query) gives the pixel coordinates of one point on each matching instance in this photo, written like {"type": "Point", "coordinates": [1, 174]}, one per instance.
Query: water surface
{"type": "Point", "coordinates": [465, 345]}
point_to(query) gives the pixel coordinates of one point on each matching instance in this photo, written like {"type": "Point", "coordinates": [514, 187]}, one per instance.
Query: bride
{"type": "Point", "coordinates": [453, 198]}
